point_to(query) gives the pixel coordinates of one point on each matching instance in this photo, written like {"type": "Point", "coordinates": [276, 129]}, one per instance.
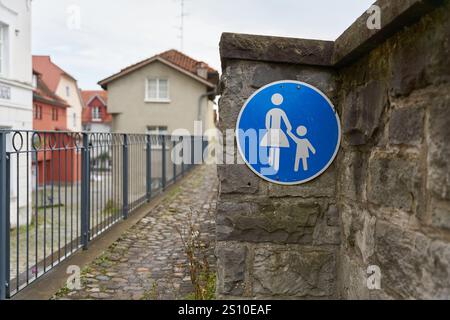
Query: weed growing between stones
{"type": "Point", "coordinates": [63, 292]}
{"type": "Point", "coordinates": [196, 249]}
{"type": "Point", "coordinates": [151, 294]}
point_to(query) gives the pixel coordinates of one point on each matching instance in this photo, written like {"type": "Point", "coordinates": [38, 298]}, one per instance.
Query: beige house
{"type": "Point", "coordinates": [161, 94]}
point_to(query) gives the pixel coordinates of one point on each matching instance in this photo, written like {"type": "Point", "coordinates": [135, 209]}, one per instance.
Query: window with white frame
{"type": "Point", "coordinates": [157, 90]}
{"type": "Point", "coordinates": [34, 82]}
{"type": "Point", "coordinates": [96, 114]}
{"type": "Point", "coordinates": [3, 48]}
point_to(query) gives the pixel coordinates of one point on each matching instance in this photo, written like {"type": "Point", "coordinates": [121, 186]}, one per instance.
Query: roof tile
{"type": "Point", "coordinates": [177, 58]}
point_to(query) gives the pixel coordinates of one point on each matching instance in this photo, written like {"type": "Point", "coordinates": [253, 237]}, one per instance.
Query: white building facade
{"type": "Point", "coordinates": [16, 90]}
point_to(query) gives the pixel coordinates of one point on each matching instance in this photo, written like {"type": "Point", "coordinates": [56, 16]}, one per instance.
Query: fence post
{"type": "Point", "coordinates": [182, 155]}
{"type": "Point", "coordinates": [149, 167]}
{"type": "Point", "coordinates": [174, 162]}
{"type": "Point", "coordinates": [163, 172]}
{"type": "Point", "coordinates": [4, 218]}
{"type": "Point", "coordinates": [192, 152]}
{"type": "Point", "coordinates": [85, 192]}
{"type": "Point", "coordinates": [204, 148]}
{"type": "Point", "coordinates": [125, 177]}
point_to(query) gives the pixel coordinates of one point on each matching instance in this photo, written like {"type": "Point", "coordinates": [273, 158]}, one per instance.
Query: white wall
{"type": "Point", "coordinates": [99, 127]}
{"type": "Point", "coordinates": [16, 14]}
{"type": "Point", "coordinates": [16, 97]}
{"type": "Point", "coordinates": [74, 100]}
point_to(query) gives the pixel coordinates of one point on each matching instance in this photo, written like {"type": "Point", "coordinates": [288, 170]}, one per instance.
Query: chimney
{"type": "Point", "coordinates": [202, 70]}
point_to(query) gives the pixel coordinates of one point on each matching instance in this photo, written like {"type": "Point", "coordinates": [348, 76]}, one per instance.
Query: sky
{"type": "Point", "coordinates": [93, 39]}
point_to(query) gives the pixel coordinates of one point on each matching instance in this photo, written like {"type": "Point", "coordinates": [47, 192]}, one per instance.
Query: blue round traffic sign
{"type": "Point", "coordinates": [288, 132]}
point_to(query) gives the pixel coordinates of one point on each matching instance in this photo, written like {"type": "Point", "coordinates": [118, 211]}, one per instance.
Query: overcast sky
{"type": "Point", "coordinates": [113, 34]}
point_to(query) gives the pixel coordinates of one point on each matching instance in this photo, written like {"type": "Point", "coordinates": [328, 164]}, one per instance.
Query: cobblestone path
{"type": "Point", "coordinates": [148, 261]}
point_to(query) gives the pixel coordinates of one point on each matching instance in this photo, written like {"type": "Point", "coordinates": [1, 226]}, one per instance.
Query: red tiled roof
{"type": "Point", "coordinates": [43, 93]}
{"type": "Point", "coordinates": [183, 61]}
{"type": "Point", "coordinates": [87, 95]}
{"type": "Point", "coordinates": [175, 57]}
{"type": "Point", "coordinates": [50, 72]}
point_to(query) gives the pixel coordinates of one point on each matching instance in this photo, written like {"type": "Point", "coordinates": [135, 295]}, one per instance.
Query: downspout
{"type": "Point", "coordinates": [200, 100]}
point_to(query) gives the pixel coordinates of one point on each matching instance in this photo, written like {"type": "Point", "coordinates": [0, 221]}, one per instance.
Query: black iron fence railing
{"type": "Point", "coordinates": [61, 190]}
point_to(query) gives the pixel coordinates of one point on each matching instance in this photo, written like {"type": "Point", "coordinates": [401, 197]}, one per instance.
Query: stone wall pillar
{"type": "Point", "coordinates": [274, 241]}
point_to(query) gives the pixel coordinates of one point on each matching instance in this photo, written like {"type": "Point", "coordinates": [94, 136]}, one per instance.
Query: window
{"type": "Point", "coordinates": [157, 130]}
{"type": "Point", "coordinates": [55, 114]}
{"type": "Point", "coordinates": [34, 81]}
{"type": "Point", "coordinates": [68, 91]}
{"type": "Point", "coordinates": [157, 90]}
{"type": "Point", "coordinates": [74, 119]}
{"type": "Point", "coordinates": [3, 48]}
{"type": "Point", "coordinates": [37, 110]}
{"type": "Point", "coordinates": [96, 113]}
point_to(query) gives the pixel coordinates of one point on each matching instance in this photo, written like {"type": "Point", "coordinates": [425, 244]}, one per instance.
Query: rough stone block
{"type": "Point", "coordinates": [358, 39]}
{"type": "Point", "coordinates": [439, 146]}
{"type": "Point", "coordinates": [266, 48]}
{"type": "Point", "coordinates": [413, 266]}
{"type": "Point", "coordinates": [358, 231]}
{"type": "Point", "coordinates": [231, 267]}
{"type": "Point", "coordinates": [365, 237]}
{"type": "Point", "coordinates": [323, 186]}
{"type": "Point", "coordinates": [362, 112]}
{"type": "Point", "coordinates": [409, 64]}
{"type": "Point", "coordinates": [323, 79]}
{"type": "Point", "coordinates": [406, 126]}
{"type": "Point", "coordinates": [236, 89]}
{"type": "Point", "coordinates": [352, 175]}
{"type": "Point", "coordinates": [352, 278]}
{"type": "Point", "coordinates": [414, 65]}
{"type": "Point", "coordinates": [237, 179]}
{"type": "Point", "coordinates": [326, 235]}
{"type": "Point", "coordinates": [332, 216]}
{"type": "Point", "coordinates": [284, 221]}
{"type": "Point", "coordinates": [395, 182]}
{"type": "Point", "coordinates": [440, 213]}
{"type": "Point", "coordinates": [294, 271]}
{"type": "Point", "coordinates": [327, 230]}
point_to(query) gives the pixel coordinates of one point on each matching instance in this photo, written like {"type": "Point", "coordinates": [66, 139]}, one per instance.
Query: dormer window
{"type": "Point", "coordinates": [34, 81]}
{"type": "Point", "coordinates": [96, 114]}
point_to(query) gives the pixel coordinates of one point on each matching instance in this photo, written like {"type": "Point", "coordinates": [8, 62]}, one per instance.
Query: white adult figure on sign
{"type": "Point", "coordinates": [275, 138]}
{"type": "Point", "coordinates": [303, 148]}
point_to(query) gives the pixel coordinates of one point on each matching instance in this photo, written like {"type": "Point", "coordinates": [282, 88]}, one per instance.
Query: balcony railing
{"type": "Point", "coordinates": [61, 190]}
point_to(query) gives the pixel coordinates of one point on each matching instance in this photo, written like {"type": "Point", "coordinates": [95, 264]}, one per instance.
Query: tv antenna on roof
{"type": "Point", "coordinates": [183, 14]}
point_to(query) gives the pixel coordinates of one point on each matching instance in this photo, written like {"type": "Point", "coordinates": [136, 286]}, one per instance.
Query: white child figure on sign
{"type": "Point", "coordinates": [303, 148]}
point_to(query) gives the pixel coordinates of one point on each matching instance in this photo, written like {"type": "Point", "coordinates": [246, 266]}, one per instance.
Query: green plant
{"type": "Point", "coordinates": [64, 291]}
{"type": "Point", "coordinates": [151, 294]}
{"type": "Point", "coordinates": [103, 157]}
{"type": "Point", "coordinates": [202, 277]}
{"type": "Point", "coordinates": [110, 207]}
{"type": "Point", "coordinates": [209, 280]}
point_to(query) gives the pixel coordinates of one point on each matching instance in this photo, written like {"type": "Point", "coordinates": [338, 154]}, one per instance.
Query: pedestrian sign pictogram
{"type": "Point", "coordinates": [288, 132]}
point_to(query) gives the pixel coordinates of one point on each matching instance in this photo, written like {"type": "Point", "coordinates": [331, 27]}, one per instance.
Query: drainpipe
{"type": "Point", "coordinates": [200, 100]}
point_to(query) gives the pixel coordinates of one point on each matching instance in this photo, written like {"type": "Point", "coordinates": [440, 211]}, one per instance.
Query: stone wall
{"type": "Point", "coordinates": [394, 165]}
{"type": "Point", "coordinates": [386, 199]}
{"type": "Point", "coordinates": [274, 241]}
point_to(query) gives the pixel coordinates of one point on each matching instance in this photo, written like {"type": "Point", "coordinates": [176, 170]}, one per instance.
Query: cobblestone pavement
{"type": "Point", "coordinates": [148, 261]}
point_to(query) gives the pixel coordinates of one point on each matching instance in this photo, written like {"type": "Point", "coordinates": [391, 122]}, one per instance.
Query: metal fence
{"type": "Point", "coordinates": [61, 190]}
